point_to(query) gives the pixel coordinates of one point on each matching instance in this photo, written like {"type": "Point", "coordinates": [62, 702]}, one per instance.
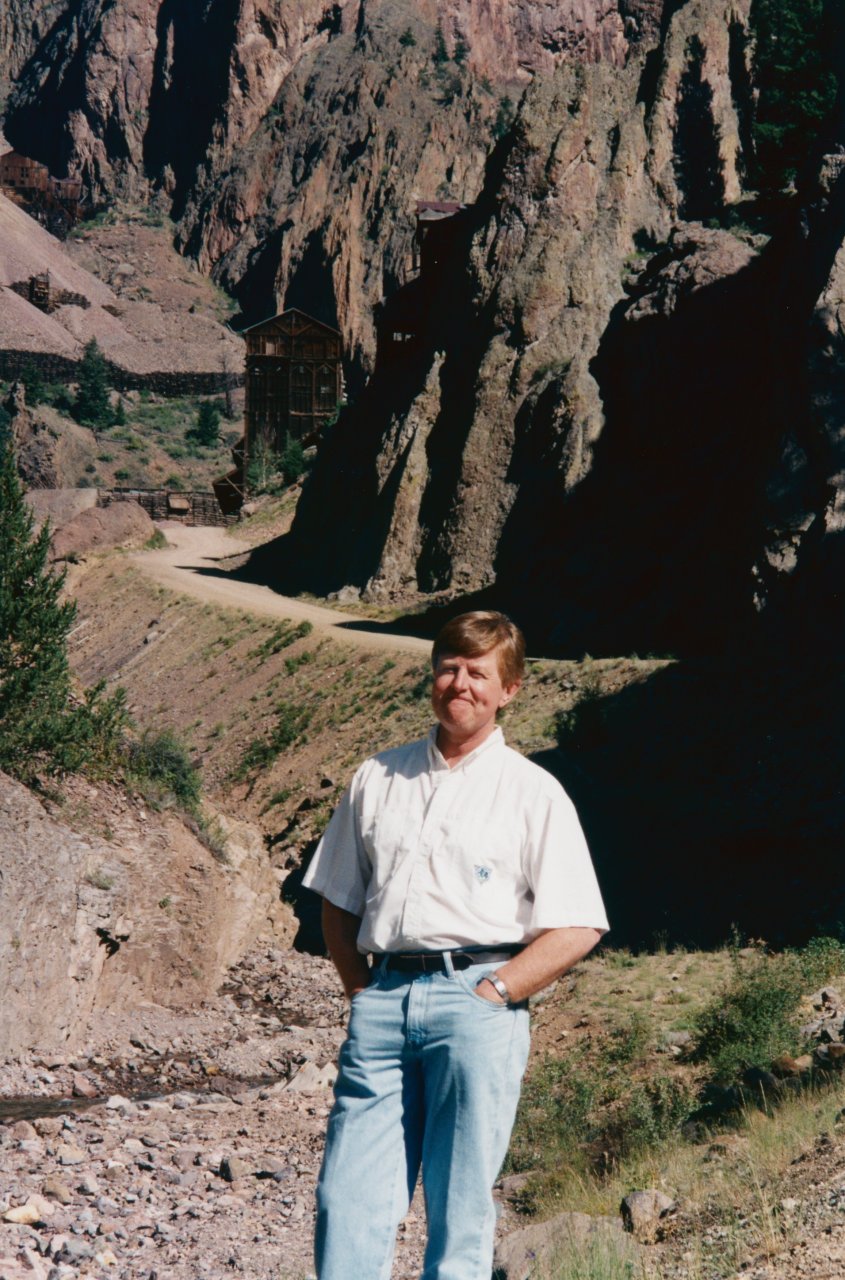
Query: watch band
{"type": "Point", "coordinates": [496, 981]}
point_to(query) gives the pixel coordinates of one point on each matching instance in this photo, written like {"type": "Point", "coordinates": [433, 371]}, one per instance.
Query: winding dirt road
{"type": "Point", "coordinates": [195, 564]}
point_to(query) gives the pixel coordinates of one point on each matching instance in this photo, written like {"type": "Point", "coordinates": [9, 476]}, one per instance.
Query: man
{"type": "Point", "coordinates": [461, 868]}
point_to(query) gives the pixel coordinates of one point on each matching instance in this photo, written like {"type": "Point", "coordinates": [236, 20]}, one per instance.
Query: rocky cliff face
{"type": "Point", "coordinates": [142, 912]}
{"type": "Point", "coordinates": [23, 25]}
{"type": "Point", "coordinates": [555, 427]}
{"type": "Point", "coordinates": [290, 141]}
{"type": "Point", "coordinates": [607, 410]}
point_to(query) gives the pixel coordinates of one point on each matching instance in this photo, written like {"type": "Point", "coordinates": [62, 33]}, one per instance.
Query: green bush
{"type": "Point", "coordinates": [590, 1111]}
{"type": "Point", "coordinates": [822, 959]}
{"type": "Point", "coordinates": [159, 764]}
{"type": "Point", "coordinates": [504, 118]}
{"type": "Point", "coordinates": [754, 1018]}
{"type": "Point", "coordinates": [292, 462]}
{"type": "Point", "coordinates": [35, 388]}
{"type": "Point", "coordinates": [92, 406]}
{"type": "Point", "coordinates": [206, 430]}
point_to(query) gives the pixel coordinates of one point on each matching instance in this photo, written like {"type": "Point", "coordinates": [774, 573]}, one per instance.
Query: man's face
{"type": "Point", "coordinates": [467, 693]}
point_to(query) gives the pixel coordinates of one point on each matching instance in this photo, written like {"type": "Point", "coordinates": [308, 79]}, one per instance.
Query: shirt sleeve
{"type": "Point", "coordinates": [340, 869]}
{"type": "Point", "coordinates": [559, 868]}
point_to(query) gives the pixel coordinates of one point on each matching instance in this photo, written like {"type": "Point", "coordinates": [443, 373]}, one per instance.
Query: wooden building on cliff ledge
{"type": "Point", "coordinates": [293, 379]}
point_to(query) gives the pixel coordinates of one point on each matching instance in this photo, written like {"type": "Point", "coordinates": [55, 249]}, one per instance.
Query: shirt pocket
{"type": "Point", "coordinates": [481, 862]}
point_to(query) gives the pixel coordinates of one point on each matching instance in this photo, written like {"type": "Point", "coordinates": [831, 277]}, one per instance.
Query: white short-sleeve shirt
{"type": "Point", "coordinates": [486, 852]}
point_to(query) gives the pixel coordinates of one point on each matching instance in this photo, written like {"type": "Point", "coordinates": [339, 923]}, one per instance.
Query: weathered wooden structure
{"type": "Point", "coordinates": [293, 380]}
{"type": "Point", "coordinates": [43, 294]}
{"type": "Point", "coordinates": [168, 504]}
{"type": "Point", "coordinates": [54, 200]}
{"type": "Point", "coordinates": [403, 317]}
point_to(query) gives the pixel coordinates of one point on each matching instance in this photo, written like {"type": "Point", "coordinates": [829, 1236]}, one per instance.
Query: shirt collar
{"type": "Point", "coordinates": [437, 762]}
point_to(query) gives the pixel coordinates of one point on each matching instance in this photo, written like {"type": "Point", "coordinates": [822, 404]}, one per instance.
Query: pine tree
{"type": "Point", "coordinates": [207, 428]}
{"type": "Point", "coordinates": [92, 406]}
{"type": "Point", "coordinates": [292, 461]}
{"type": "Point", "coordinates": [34, 622]}
{"type": "Point", "coordinates": [42, 726]}
{"type": "Point", "coordinates": [797, 80]}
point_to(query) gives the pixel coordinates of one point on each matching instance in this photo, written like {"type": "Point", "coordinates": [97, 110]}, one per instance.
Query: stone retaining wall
{"type": "Point", "coordinates": [55, 368]}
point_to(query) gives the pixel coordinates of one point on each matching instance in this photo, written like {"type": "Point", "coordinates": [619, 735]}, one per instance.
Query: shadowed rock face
{"type": "Point", "coordinates": [624, 432]}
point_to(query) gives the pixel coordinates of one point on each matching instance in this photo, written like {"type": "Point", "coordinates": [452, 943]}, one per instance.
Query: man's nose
{"type": "Point", "coordinates": [460, 680]}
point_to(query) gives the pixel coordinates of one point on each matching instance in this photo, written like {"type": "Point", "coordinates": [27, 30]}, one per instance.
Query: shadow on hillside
{"type": "Point", "coordinates": [712, 796]}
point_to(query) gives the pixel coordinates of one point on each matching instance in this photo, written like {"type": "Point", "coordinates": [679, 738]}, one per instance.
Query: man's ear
{"type": "Point", "coordinates": [510, 693]}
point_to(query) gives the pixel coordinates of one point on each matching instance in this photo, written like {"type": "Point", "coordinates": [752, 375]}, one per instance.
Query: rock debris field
{"type": "Point", "coordinates": [191, 1143]}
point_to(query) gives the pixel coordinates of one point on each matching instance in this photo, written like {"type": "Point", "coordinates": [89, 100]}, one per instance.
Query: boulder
{"type": "Point", "coordinates": [120, 524]}
{"type": "Point", "coordinates": [643, 1212]}
{"type": "Point", "coordinates": [539, 1249]}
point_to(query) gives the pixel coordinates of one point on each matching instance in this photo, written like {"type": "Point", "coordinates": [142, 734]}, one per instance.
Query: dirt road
{"type": "Point", "coordinates": [195, 564]}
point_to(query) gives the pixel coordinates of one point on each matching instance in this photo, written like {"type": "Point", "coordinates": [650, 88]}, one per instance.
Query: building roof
{"type": "Point", "coordinates": [289, 314]}
{"type": "Point", "coordinates": [437, 210]}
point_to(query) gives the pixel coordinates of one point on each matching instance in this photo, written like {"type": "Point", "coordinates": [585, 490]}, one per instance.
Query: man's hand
{"type": "Point", "coordinates": [487, 991]}
{"type": "Point", "coordinates": [340, 931]}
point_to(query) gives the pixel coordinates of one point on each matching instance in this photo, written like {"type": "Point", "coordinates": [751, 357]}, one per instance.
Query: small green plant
{"type": "Point", "coordinates": [34, 386]}
{"type": "Point", "coordinates": [156, 541]}
{"type": "Point", "coordinates": [407, 39]}
{"type": "Point", "coordinates": [292, 461]}
{"type": "Point", "coordinates": [293, 664]}
{"type": "Point", "coordinates": [159, 765]}
{"type": "Point", "coordinates": [582, 725]}
{"type": "Point", "coordinates": [276, 798]}
{"type": "Point", "coordinates": [821, 959]}
{"type": "Point", "coordinates": [100, 879]}
{"type": "Point", "coordinates": [504, 118]}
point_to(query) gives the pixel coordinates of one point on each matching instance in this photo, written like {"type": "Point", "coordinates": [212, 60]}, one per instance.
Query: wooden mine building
{"type": "Point", "coordinates": [30, 182]}
{"type": "Point", "coordinates": [403, 317]}
{"type": "Point", "coordinates": [293, 384]}
{"type": "Point", "coordinates": [293, 379]}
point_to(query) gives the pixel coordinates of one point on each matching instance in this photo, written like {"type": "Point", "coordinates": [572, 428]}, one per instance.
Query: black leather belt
{"type": "Point", "coordinates": [435, 962]}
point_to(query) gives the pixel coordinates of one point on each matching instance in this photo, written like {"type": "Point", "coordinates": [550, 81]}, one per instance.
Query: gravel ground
{"type": "Point", "coordinates": [195, 1155]}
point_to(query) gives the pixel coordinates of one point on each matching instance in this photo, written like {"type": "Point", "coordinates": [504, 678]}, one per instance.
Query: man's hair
{"type": "Point", "coordinates": [472, 634]}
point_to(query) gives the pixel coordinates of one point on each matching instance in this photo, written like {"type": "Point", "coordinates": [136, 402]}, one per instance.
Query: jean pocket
{"type": "Point", "coordinates": [469, 981]}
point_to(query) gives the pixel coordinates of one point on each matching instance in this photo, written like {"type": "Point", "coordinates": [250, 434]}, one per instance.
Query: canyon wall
{"type": "Point", "coordinates": [290, 142]}
{"type": "Point", "coordinates": [620, 408]}
{"type": "Point", "coordinates": [621, 417]}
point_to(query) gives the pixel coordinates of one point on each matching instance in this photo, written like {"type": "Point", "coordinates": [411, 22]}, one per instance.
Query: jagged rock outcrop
{"type": "Point", "coordinates": [142, 913]}
{"type": "Point", "coordinates": [601, 442]}
{"type": "Point", "coordinates": [292, 141]}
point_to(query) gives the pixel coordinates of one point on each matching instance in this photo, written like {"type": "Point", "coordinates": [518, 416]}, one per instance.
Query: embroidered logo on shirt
{"type": "Point", "coordinates": [482, 874]}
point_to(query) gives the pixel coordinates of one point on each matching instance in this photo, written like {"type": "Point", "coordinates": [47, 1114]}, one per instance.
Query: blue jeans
{"type": "Point", "coordinates": [429, 1079]}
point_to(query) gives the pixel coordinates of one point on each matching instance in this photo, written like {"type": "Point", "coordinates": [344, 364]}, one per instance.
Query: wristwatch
{"type": "Point", "coordinates": [496, 981]}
